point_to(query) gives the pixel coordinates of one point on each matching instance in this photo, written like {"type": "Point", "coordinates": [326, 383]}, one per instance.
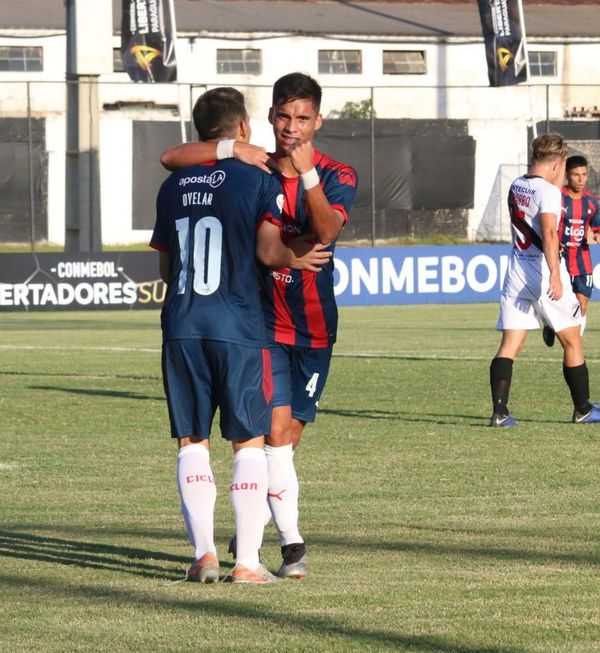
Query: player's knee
{"type": "Point", "coordinates": [281, 433]}
{"type": "Point", "coordinates": [571, 341]}
{"type": "Point", "coordinates": [281, 427]}
{"type": "Point", "coordinates": [296, 431]}
{"type": "Point", "coordinates": [279, 437]}
{"type": "Point", "coordinates": [191, 439]}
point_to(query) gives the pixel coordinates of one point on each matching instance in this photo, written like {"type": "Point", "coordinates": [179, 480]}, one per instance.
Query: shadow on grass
{"type": "Point", "coordinates": [430, 418]}
{"type": "Point", "coordinates": [123, 394]}
{"type": "Point", "coordinates": [90, 555]}
{"type": "Point", "coordinates": [236, 607]}
{"type": "Point", "coordinates": [143, 562]}
{"type": "Point", "coordinates": [461, 551]}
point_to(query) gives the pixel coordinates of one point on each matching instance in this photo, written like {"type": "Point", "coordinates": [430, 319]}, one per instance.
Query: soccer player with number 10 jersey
{"type": "Point", "coordinates": [213, 222]}
{"type": "Point", "coordinates": [299, 308]}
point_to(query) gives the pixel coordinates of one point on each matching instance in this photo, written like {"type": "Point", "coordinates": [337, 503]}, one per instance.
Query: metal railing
{"type": "Point", "coordinates": [34, 124]}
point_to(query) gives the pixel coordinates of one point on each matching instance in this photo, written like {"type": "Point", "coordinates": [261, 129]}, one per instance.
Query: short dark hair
{"type": "Point", "coordinates": [218, 112]}
{"type": "Point", "coordinates": [297, 86]}
{"type": "Point", "coordinates": [576, 161]}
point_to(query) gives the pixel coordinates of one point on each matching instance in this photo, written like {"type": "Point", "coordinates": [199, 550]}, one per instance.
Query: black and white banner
{"type": "Point", "coordinates": [80, 281]}
{"type": "Point", "coordinates": [363, 276]}
{"type": "Point", "coordinates": [504, 37]}
{"type": "Point", "coordinates": [148, 36]}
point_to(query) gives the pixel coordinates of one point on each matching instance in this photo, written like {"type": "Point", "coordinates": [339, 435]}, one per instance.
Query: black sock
{"type": "Point", "coordinates": [500, 378]}
{"type": "Point", "coordinates": [578, 380]}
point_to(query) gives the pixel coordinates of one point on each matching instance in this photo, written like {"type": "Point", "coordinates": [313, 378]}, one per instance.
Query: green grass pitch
{"type": "Point", "coordinates": [427, 530]}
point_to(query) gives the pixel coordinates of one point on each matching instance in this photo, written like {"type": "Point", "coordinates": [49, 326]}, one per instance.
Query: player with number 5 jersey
{"type": "Point", "coordinates": [537, 287]}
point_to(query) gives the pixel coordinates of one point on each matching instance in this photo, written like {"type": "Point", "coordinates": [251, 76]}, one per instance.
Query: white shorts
{"type": "Point", "coordinates": [525, 304]}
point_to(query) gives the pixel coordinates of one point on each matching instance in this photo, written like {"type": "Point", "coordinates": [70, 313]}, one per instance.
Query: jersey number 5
{"type": "Point", "coordinates": [517, 217]}
{"type": "Point", "coordinates": [206, 257]}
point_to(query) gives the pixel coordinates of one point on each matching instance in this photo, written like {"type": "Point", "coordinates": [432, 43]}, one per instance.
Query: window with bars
{"type": "Point", "coordinates": [404, 62]}
{"type": "Point", "coordinates": [340, 62]}
{"type": "Point", "coordinates": [17, 58]}
{"type": "Point", "coordinates": [542, 64]}
{"type": "Point", "coordinates": [239, 62]}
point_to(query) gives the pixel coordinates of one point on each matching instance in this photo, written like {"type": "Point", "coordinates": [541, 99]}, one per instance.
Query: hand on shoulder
{"type": "Point", "coordinates": [252, 155]}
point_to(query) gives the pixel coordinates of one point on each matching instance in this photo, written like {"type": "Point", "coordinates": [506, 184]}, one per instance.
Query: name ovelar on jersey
{"type": "Point", "coordinates": [196, 197]}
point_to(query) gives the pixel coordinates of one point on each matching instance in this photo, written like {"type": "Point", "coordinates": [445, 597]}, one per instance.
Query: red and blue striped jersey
{"type": "Point", "coordinates": [577, 215]}
{"type": "Point", "coordinates": [299, 305]}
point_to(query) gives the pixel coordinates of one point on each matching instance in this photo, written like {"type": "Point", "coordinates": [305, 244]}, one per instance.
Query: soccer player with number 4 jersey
{"type": "Point", "coordinates": [213, 222]}
{"type": "Point", "coordinates": [537, 286]}
{"type": "Point", "coordinates": [299, 307]}
{"type": "Point", "coordinates": [580, 215]}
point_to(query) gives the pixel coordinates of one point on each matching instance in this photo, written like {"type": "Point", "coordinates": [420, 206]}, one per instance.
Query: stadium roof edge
{"type": "Point", "coordinates": [436, 20]}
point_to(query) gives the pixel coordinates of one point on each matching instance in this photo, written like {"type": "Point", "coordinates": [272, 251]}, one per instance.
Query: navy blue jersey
{"type": "Point", "coordinates": [300, 306]}
{"type": "Point", "coordinates": [207, 221]}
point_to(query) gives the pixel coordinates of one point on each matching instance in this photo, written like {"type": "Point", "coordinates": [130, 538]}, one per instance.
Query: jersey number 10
{"type": "Point", "coordinates": [206, 257]}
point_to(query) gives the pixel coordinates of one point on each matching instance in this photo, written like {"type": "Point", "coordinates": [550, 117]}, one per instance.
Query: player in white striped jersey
{"type": "Point", "coordinates": [537, 287]}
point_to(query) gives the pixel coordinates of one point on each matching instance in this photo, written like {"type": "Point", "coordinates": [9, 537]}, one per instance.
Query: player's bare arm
{"type": "Point", "coordinates": [548, 223]}
{"type": "Point", "coordinates": [325, 221]}
{"type": "Point", "coordinates": [593, 234]}
{"type": "Point", "coordinates": [271, 251]}
{"type": "Point", "coordinates": [189, 154]}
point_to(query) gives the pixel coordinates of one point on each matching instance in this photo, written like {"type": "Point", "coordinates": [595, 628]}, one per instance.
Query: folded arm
{"type": "Point", "coordinates": [271, 251]}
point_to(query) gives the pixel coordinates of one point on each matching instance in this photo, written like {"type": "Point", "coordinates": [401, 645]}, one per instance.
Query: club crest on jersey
{"type": "Point", "coordinates": [214, 180]}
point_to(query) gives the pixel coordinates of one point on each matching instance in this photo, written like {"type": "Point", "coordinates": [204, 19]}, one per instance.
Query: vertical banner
{"type": "Point", "coordinates": [504, 37]}
{"type": "Point", "coordinates": [148, 36]}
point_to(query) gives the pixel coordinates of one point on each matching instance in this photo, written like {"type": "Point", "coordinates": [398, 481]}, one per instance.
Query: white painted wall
{"type": "Point", "coordinates": [454, 87]}
{"type": "Point", "coordinates": [56, 136]}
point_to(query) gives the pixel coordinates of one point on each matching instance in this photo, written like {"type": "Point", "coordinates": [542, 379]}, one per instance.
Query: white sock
{"type": "Point", "coordinates": [583, 323]}
{"type": "Point", "coordinates": [268, 514]}
{"type": "Point", "coordinates": [283, 493]}
{"type": "Point", "coordinates": [198, 494]}
{"type": "Point", "coordinates": [248, 492]}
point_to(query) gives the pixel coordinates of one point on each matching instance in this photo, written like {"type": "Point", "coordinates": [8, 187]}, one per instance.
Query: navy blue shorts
{"type": "Point", "coordinates": [299, 376]}
{"type": "Point", "coordinates": [583, 284]}
{"type": "Point", "coordinates": [201, 375]}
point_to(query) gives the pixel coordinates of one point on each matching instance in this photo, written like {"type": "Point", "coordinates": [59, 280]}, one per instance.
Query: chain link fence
{"type": "Point", "coordinates": [432, 161]}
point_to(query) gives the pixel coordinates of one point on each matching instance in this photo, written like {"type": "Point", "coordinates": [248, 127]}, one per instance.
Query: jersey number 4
{"type": "Point", "coordinates": [206, 257]}
{"type": "Point", "coordinates": [311, 386]}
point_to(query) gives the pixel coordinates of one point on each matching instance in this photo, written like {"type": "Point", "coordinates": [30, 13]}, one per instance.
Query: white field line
{"type": "Point", "coordinates": [7, 467]}
{"type": "Point", "coordinates": [411, 356]}
{"type": "Point", "coordinates": [79, 347]}
{"type": "Point", "coordinates": [408, 355]}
